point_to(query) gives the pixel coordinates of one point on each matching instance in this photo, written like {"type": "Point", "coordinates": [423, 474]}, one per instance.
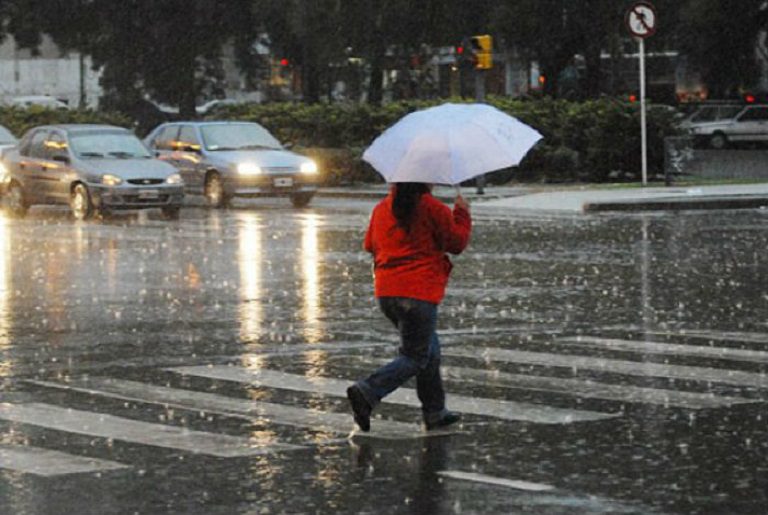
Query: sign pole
{"type": "Point", "coordinates": [643, 125]}
{"type": "Point", "coordinates": [641, 21]}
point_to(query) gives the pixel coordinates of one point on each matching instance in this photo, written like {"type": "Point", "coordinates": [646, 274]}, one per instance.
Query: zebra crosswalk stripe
{"type": "Point", "coordinates": [594, 390]}
{"type": "Point", "coordinates": [118, 428]}
{"type": "Point", "coordinates": [507, 410]}
{"type": "Point", "coordinates": [634, 368]}
{"type": "Point", "coordinates": [49, 463]}
{"type": "Point", "coordinates": [676, 349]}
{"type": "Point", "coordinates": [341, 423]}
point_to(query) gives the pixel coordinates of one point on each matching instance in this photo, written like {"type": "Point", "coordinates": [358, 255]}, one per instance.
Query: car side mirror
{"type": "Point", "coordinates": [61, 158]}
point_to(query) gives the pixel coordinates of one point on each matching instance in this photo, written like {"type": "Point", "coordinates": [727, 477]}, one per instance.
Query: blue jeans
{"type": "Point", "coordinates": [419, 355]}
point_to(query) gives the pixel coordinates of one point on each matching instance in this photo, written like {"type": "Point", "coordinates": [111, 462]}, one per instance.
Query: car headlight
{"type": "Point", "coordinates": [173, 179]}
{"type": "Point", "coordinates": [309, 167]}
{"type": "Point", "coordinates": [4, 175]}
{"type": "Point", "coordinates": [248, 169]}
{"type": "Point", "coordinates": [111, 180]}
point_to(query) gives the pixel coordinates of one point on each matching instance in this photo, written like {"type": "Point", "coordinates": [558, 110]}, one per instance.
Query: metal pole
{"type": "Point", "coordinates": [480, 97]}
{"type": "Point", "coordinates": [643, 130]}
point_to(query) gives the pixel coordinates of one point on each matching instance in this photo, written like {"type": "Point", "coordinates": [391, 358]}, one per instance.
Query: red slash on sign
{"type": "Point", "coordinates": [641, 20]}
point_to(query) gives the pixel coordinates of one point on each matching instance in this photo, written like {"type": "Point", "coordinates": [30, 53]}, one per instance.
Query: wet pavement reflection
{"type": "Point", "coordinates": [604, 364]}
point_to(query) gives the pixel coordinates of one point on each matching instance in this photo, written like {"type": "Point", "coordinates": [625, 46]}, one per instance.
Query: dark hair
{"type": "Point", "coordinates": [407, 195]}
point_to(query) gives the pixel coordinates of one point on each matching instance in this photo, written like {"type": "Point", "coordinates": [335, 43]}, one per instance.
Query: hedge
{"type": "Point", "coordinates": [586, 141]}
{"type": "Point", "coordinates": [589, 141]}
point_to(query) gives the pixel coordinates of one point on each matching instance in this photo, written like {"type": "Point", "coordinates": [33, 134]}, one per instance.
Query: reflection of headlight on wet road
{"type": "Point", "coordinates": [248, 169]}
{"type": "Point", "coordinates": [309, 167]}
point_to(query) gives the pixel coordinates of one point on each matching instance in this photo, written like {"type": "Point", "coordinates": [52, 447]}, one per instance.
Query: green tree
{"type": "Point", "coordinates": [169, 49]}
{"type": "Point", "coordinates": [720, 38]}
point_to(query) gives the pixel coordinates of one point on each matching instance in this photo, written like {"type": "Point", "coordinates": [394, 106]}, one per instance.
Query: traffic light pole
{"type": "Point", "coordinates": [480, 97]}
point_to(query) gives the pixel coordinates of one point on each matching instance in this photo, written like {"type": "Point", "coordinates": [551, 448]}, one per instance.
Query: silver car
{"type": "Point", "coordinates": [92, 168]}
{"type": "Point", "coordinates": [733, 125]}
{"type": "Point", "coordinates": [222, 160]}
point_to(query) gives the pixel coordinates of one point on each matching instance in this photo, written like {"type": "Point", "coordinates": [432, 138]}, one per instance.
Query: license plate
{"type": "Point", "coordinates": [283, 182]}
{"type": "Point", "coordinates": [148, 194]}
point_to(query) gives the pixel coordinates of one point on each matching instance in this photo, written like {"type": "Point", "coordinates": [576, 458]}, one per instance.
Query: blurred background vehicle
{"type": "Point", "coordinates": [744, 124]}
{"type": "Point", "coordinates": [91, 168]}
{"type": "Point", "coordinates": [38, 100]}
{"type": "Point", "coordinates": [222, 160]}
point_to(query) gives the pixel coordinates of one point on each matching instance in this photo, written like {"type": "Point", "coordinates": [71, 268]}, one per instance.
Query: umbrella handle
{"type": "Point", "coordinates": [458, 190]}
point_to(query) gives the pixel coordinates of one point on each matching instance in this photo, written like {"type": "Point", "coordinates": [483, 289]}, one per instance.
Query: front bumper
{"type": "Point", "coordinates": [269, 185]}
{"type": "Point", "coordinates": [134, 197]}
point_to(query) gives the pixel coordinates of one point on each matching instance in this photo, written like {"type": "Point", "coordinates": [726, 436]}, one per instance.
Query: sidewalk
{"type": "Point", "coordinates": [586, 199]}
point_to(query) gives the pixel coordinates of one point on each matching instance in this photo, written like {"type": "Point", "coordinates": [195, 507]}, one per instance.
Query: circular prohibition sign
{"type": "Point", "coordinates": [641, 19]}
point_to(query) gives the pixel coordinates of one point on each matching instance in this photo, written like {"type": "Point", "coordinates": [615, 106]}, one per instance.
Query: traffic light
{"type": "Point", "coordinates": [482, 47]}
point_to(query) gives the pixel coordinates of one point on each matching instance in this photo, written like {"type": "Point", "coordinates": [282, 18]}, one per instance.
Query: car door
{"type": "Point", "coordinates": [30, 167]}
{"type": "Point", "coordinates": [751, 125]}
{"type": "Point", "coordinates": [56, 167]}
{"type": "Point", "coordinates": [189, 158]}
{"type": "Point", "coordinates": [163, 143]}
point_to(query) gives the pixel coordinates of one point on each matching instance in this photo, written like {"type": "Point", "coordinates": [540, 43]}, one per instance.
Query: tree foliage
{"type": "Point", "coordinates": [720, 38]}
{"type": "Point", "coordinates": [171, 50]}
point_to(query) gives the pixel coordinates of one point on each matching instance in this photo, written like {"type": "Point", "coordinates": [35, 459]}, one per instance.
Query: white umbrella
{"type": "Point", "coordinates": [449, 144]}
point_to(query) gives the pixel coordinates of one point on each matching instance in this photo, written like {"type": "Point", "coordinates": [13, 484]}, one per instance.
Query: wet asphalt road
{"type": "Point", "coordinates": [603, 363]}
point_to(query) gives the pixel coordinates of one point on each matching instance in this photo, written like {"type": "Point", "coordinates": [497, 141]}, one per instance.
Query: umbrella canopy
{"type": "Point", "coordinates": [449, 144]}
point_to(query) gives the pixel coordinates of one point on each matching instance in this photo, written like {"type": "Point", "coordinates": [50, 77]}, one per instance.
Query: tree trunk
{"type": "Point", "coordinates": [594, 73]}
{"type": "Point", "coordinates": [376, 82]}
{"type": "Point", "coordinates": [187, 102]}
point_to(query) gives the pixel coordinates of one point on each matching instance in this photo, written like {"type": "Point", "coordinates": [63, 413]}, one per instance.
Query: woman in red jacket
{"type": "Point", "coordinates": [409, 234]}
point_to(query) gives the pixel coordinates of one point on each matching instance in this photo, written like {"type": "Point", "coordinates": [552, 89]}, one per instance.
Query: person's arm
{"type": "Point", "coordinates": [453, 227]}
{"type": "Point", "coordinates": [368, 241]}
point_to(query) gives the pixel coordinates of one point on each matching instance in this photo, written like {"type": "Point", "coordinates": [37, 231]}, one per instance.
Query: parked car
{"type": "Point", "coordinates": [740, 124]}
{"type": "Point", "coordinates": [38, 100]}
{"type": "Point", "coordinates": [92, 168]}
{"type": "Point", "coordinates": [222, 160]}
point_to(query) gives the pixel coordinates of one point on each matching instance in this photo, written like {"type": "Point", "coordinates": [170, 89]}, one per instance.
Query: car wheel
{"type": "Point", "coordinates": [718, 141]}
{"type": "Point", "coordinates": [17, 203]}
{"type": "Point", "coordinates": [80, 203]}
{"type": "Point", "coordinates": [301, 199]}
{"type": "Point", "coordinates": [214, 191]}
{"type": "Point", "coordinates": [171, 212]}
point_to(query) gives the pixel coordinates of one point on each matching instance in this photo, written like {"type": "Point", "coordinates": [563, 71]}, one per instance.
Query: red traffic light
{"type": "Point", "coordinates": [284, 62]}
{"type": "Point", "coordinates": [459, 50]}
{"type": "Point", "coordinates": [749, 99]}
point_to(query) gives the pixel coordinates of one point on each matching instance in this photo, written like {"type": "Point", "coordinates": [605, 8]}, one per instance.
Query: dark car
{"type": "Point", "coordinates": [91, 168]}
{"type": "Point", "coordinates": [222, 160]}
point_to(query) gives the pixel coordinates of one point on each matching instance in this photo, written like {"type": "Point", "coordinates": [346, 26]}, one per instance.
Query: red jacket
{"type": "Point", "coordinates": [415, 264]}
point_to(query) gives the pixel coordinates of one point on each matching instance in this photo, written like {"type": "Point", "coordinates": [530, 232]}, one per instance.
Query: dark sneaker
{"type": "Point", "coordinates": [360, 407]}
{"type": "Point", "coordinates": [446, 419]}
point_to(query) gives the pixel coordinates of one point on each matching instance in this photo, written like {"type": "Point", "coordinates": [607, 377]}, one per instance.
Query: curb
{"type": "Point", "coordinates": [680, 204]}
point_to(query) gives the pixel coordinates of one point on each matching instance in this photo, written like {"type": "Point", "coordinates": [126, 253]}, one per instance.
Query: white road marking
{"type": "Point", "coordinates": [128, 430]}
{"type": "Point", "coordinates": [635, 368]}
{"type": "Point", "coordinates": [647, 347]}
{"type": "Point", "coordinates": [341, 423]}
{"type": "Point", "coordinates": [722, 336]}
{"type": "Point", "coordinates": [507, 410]}
{"type": "Point", "coordinates": [48, 463]}
{"type": "Point", "coordinates": [593, 389]}
{"type": "Point", "coordinates": [517, 484]}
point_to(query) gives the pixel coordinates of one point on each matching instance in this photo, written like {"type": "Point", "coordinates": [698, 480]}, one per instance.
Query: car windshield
{"type": "Point", "coordinates": [6, 137]}
{"type": "Point", "coordinates": [109, 145]}
{"type": "Point", "coordinates": [714, 113]}
{"type": "Point", "coordinates": [239, 136]}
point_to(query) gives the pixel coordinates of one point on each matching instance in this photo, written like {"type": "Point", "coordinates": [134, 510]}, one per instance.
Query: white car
{"type": "Point", "coordinates": [38, 100]}
{"type": "Point", "coordinates": [748, 124]}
